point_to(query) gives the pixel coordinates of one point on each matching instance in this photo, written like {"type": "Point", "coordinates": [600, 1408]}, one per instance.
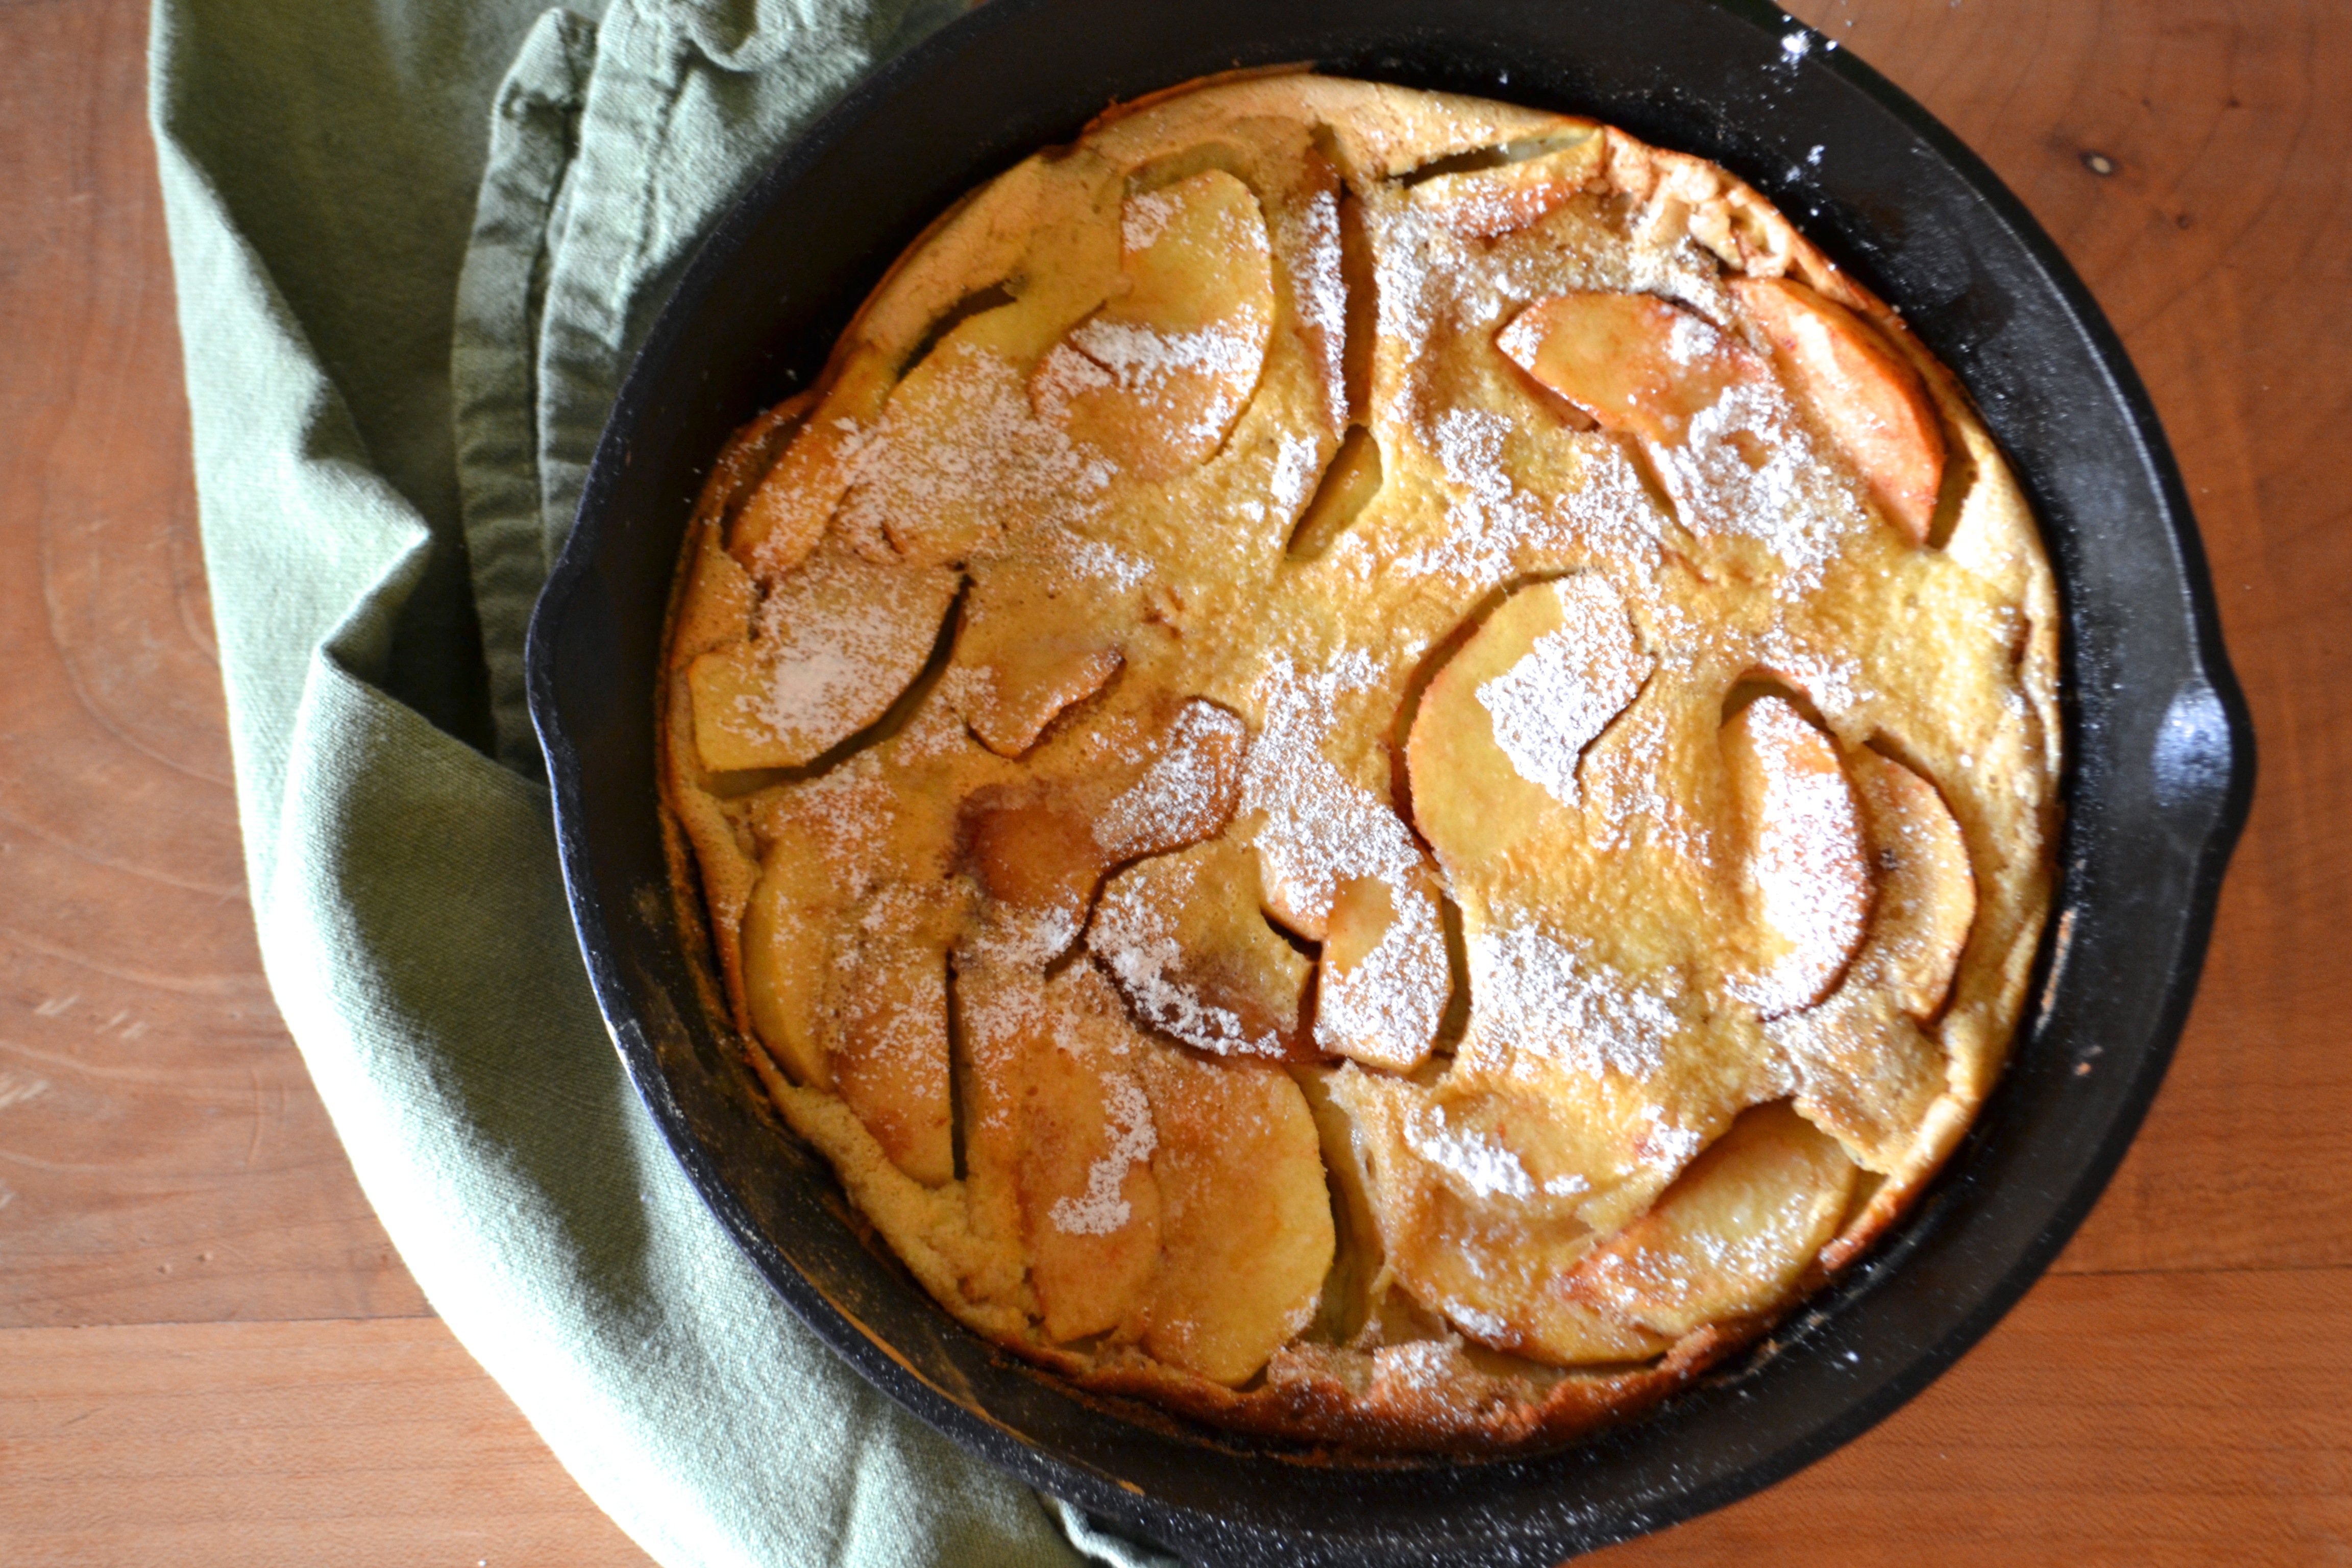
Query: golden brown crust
{"type": "Point", "coordinates": [1110, 318]}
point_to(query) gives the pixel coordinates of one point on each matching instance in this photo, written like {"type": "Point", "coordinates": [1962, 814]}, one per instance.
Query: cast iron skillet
{"type": "Point", "coordinates": [2159, 748]}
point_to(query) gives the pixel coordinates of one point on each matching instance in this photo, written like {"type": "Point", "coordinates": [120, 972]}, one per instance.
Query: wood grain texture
{"type": "Point", "coordinates": [2113, 1421]}
{"type": "Point", "coordinates": [266, 1444]}
{"type": "Point", "coordinates": [162, 1151]}
{"type": "Point", "coordinates": [2175, 1393]}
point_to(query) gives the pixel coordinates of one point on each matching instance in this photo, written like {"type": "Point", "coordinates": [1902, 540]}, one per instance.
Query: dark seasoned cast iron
{"type": "Point", "coordinates": [2160, 751]}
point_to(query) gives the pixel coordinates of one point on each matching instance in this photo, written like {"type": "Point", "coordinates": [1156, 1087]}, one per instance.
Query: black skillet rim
{"type": "Point", "coordinates": [2217, 765]}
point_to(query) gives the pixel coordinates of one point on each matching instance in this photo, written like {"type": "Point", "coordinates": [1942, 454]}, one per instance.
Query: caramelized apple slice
{"type": "Point", "coordinates": [1043, 846]}
{"type": "Point", "coordinates": [1028, 648]}
{"type": "Point", "coordinates": [1806, 878]}
{"type": "Point", "coordinates": [1927, 892]}
{"type": "Point", "coordinates": [1245, 1217]}
{"type": "Point", "coordinates": [1733, 1237]}
{"type": "Point", "coordinates": [1874, 404]}
{"type": "Point", "coordinates": [1466, 1229]}
{"type": "Point", "coordinates": [1514, 185]}
{"type": "Point", "coordinates": [1034, 849]}
{"type": "Point", "coordinates": [787, 959]}
{"type": "Point", "coordinates": [1155, 378]}
{"type": "Point", "coordinates": [1384, 980]}
{"type": "Point", "coordinates": [1632, 361]}
{"type": "Point", "coordinates": [1517, 707]}
{"type": "Point", "coordinates": [1866, 1072]}
{"type": "Point", "coordinates": [1187, 793]}
{"type": "Point", "coordinates": [1185, 937]}
{"type": "Point", "coordinates": [890, 1056]}
{"type": "Point", "coordinates": [837, 642]}
{"type": "Point", "coordinates": [1090, 1204]}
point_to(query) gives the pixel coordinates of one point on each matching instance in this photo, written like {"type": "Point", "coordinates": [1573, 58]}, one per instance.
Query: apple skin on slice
{"type": "Point", "coordinates": [838, 641]}
{"type": "Point", "coordinates": [1734, 1235]}
{"type": "Point", "coordinates": [1186, 938]}
{"type": "Point", "coordinates": [1634, 363]}
{"type": "Point", "coordinates": [1874, 402]}
{"type": "Point", "coordinates": [1155, 377]}
{"type": "Point", "coordinates": [1867, 1071]}
{"type": "Point", "coordinates": [1246, 1236]}
{"type": "Point", "coordinates": [1807, 876]}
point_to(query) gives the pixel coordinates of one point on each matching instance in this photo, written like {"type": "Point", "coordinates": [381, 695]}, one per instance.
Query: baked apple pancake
{"type": "Point", "coordinates": [1377, 767]}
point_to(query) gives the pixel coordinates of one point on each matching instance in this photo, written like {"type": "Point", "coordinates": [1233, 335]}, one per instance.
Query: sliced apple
{"type": "Point", "coordinates": [715, 611]}
{"type": "Point", "coordinates": [787, 959]}
{"type": "Point", "coordinates": [1465, 1230]}
{"type": "Point", "coordinates": [782, 519]}
{"type": "Point", "coordinates": [1522, 184]}
{"type": "Point", "coordinates": [1042, 847]}
{"type": "Point", "coordinates": [837, 642]}
{"type": "Point", "coordinates": [1089, 1201]}
{"type": "Point", "coordinates": [1186, 794]}
{"type": "Point", "coordinates": [1185, 937]}
{"type": "Point", "coordinates": [1034, 849]}
{"type": "Point", "coordinates": [1246, 1217]}
{"type": "Point", "coordinates": [1631, 362]}
{"type": "Point", "coordinates": [1384, 978]}
{"type": "Point", "coordinates": [1733, 1237]}
{"type": "Point", "coordinates": [1155, 378]}
{"type": "Point", "coordinates": [1873, 401]}
{"type": "Point", "coordinates": [1927, 892]}
{"type": "Point", "coordinates": [1503, 727]}
{"type": "Point", "coordinates": [1866, 1071]}
{"type": "Point", "coordinates": [1806, 873]}
{"type": "Point", "coordinates": [1348, 486]}
{"type": "Point", "coordinates": [1029, 649]}
{"type": "Point", "coordinates": [891, 1054]}
{"type": "Point", "coordinates": [956, 459]}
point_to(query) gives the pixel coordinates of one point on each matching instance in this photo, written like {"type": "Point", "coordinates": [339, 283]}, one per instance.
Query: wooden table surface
{"type": "Point", "coordinates": [209, 1353]}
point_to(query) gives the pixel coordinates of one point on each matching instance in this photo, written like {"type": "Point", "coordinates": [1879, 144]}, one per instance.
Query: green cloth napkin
{"type": "Point", "coordinates": [410, 280]}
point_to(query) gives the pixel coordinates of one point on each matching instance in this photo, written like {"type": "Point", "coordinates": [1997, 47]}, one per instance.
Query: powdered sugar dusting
{"type": "Point", "coordinates": [845, 639]}
{"type": "Point", "coordinates": [1484, 1166]}
{"type": "Point", "coordinates": [1745, 467]}
{"type": "Point", "coordinates": [1005, 462]}
{"type": "Point", "coordinates": [1131, 934]}
{"type": "Point", "coordinates": [1494, 529]}
{"type": "Point", "coordinates": [1101, 1209]}
{"type": "Point", "coordinates": [1535, 994]}
{"type": "Point", "coordinates": [1186, 791]}
{"type": "Point", "coordinates": [1308, 232]}
{"type": "Point", "coordinates": [1564, 690]}
{"type": "Point", "coordinates": [1320, 827]}
{"type": "Point", "coordinates": [1294, 464]}
{"type": "Point", "coordinates": [1143, 218]}
{"type": "Point", "coordinates": [1806, 862]}
{"type": "Point", "coordinates": [1385, 1008]}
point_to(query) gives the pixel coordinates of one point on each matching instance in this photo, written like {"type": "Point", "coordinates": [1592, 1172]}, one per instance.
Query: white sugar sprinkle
{"type": "Point", "coordinates": [1532, 994]}
{"type": "Point", "coordinates": [1564, 690]}
{"type": "Point", "coordinates": [1101, 1210]}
